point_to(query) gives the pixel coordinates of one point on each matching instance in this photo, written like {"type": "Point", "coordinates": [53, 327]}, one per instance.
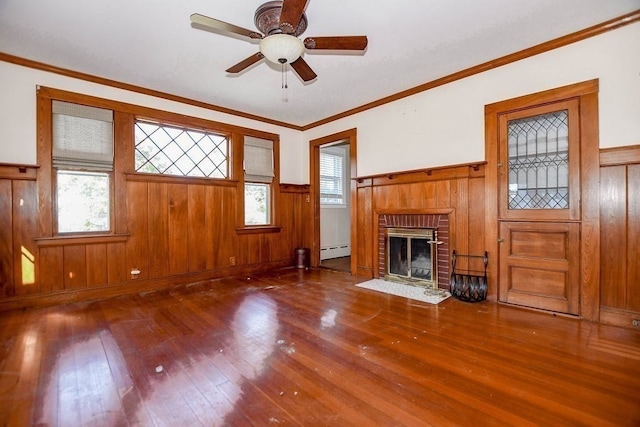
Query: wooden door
{"type": "Point", "coordinates": [539, 207]}
{"type": "Point", "coordinates": [539, 265]}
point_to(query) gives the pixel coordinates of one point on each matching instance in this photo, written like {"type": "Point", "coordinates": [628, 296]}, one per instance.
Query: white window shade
{"type": "Point", "coordinates": [331, 178]}
{"type": "Point", "coordinates": [258, 160]}
{"type": "Point", "coordinates": [82, 137]}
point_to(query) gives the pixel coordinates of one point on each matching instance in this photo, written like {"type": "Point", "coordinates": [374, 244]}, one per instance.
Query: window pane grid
{"type": "Point", "coordinates": [256, 203]}
{"type": "Point", "coordinates": [331, 178]}
{"type": "Point", "coordinates": [177, 151]}
{"type": "Point", "coordinates": [83, 201]}
{"type": "Point", "coordinates": [539, 161]}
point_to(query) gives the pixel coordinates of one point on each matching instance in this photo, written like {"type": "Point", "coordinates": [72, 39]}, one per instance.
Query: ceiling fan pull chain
{"type": "Point", "coordinates": [285, 84]}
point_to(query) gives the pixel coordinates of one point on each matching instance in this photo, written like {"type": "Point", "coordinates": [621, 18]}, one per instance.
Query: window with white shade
{"type": "Point", "coordinates": [82, 157]}
{"type": "Point", "coordinates": [258, 178]}
{"type": "Point", "coordinates": [332, 177]}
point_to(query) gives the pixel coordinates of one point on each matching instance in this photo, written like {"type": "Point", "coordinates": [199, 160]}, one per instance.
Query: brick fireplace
{"type": "Point", "coordinates": [438, 222]}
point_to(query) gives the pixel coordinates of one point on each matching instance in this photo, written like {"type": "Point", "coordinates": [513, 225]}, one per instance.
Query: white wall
{"type": "Point", "coordinates": [438, 127]}
{"type": "Point", "coordinates": [18, 117]}
{"type": "Point", "coordinates": [445, 125]}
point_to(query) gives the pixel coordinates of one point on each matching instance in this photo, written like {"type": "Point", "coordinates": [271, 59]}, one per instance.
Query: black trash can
{"type": "Point", "coordinates": [302, 257]}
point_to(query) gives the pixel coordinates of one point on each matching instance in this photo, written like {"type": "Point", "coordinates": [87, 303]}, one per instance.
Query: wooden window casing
{"type": "Point", "coordinates": [124, 119]}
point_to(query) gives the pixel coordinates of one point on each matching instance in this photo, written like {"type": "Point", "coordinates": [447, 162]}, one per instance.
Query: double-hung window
{"type": "Point", "coordinates": [83, 164]}
{"type": "Point", "coordinates": [332, 177]}
{"type": "Point", "coordinates": [258, 178]}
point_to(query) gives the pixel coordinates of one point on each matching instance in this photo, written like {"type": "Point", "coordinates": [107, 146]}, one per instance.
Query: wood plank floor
{"type": "Point", "coordinates": [296, 347]}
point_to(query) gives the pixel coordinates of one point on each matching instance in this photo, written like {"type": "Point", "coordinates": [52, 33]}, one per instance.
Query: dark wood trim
{"type": "Point", "coordinates": [413, 211]}
{"type": "Point", "coordinates": [170, 179]}
{"type": "Point", "coordinates": [620, 156]}
{"type": "Point", "coordinates": [618, 317]}
{"type": "Point", "coordinates": [587, 92]}
{"type": "Point", "coordinates": [123, 163]}
{"type": "Point", "coordinates": [237, 175]}
{"type": "Point", "coordinates": [48, 242]}
{"type": "Point", "coordinates": [18, 172]}
{"type": "Point", "coordinates": [44, 174]}
{"type": "Point", "coordinates": [259, 229]}
{"type": "Point", "coordinates": [590, 196]}
{"type": "Point", "coordinates": [131, 287]}
{"type": "Point", "coordinates": [465, 170]}
{"type": "Point", "coordinates": [152, 114]}
{"type": "Point", "coordinates": [486, 66]}
{"type": "Point", "coordinates": [294, 188]}
{"type": "Point", "coordinates": [314, 191]}
{"type": "Point", "coordinates": [490, 65]}
{"type": "Point", "coordinates": [24, 62]}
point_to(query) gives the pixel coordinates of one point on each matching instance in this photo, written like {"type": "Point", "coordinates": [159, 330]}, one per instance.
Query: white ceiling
{"type": "Point", "coordinates": [150, 43]}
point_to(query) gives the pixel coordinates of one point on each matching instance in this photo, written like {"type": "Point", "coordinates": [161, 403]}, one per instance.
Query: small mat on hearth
{"type": "Point", "coordinates": [406, 290]}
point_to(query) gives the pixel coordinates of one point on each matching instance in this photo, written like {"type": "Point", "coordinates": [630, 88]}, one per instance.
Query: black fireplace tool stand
{"type": "Point", "coordinates": [469, 287]}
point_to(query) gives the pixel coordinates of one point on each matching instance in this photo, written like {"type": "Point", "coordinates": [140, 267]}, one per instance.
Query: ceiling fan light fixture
{"type": "Point", "coordinates": [281, 48]}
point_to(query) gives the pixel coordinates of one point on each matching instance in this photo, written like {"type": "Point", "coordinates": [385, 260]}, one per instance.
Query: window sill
{"type": "Point", "coordinates": [80, 240]}
{"type": "Point", "coordinates": [173, 179]}
{"type": "Point", "coordinates": [259, 229]}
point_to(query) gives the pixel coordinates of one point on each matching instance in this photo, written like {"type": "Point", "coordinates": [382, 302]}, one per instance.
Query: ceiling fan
{"type": "Point", "coordinates": [280, 23]}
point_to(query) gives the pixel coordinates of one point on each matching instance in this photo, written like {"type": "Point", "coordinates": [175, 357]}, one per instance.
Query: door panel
{"type": "Point", "coordinates": [539, 265]}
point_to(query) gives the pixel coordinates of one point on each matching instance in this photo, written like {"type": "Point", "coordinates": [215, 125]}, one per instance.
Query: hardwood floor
{"type": "Point", "coordinates": [296, 347]}
{"type": "Point", "coordinates": [338, 264]}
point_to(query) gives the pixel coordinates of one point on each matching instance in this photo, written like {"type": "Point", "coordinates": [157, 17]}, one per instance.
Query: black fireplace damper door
{"type": "Point", "coordinates": [410, 256]}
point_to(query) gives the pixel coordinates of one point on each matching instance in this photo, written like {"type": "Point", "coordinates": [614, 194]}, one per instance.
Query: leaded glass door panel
{"type": "Point", "coordinates": [539, 163]}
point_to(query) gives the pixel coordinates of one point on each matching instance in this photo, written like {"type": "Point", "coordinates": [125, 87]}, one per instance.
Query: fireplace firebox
{"type": "Point", "coordinates": [411, 256]}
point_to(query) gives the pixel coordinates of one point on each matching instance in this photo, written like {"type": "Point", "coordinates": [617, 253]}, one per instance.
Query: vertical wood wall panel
{"type": "Point", "coordinates": [364, 246]}
{"type": "Point", "coordinates": [633, 254]}
{"type": "Point", "coordinates": [443, 194]}
{"type": "Point", "coordinates": [429, 195]}
{"type": "Point", "coordinates": [228, 243]}
{"type": "Point", "coordinates": [196, 231]}
{"type": "Point", "coordinates": [6, 239]}
{"type": "Point", "coordinates": [51, 269]}
{"type": "Point", "coordinates": [138, 217]}
{"type": "Point", "coordinates": [25, 251]}
{"type": "Point", "coordinates": [158, 229]}
{"type": "Point", "coordinates": [476, 222]}
{"type": "Point", "coordinates": [97, 267]}
{"type": "Point", "coordinates": [117, 265]}
{"type": "Point", "coordinates": [178, 234]}
{"type": "Point", "coordinates": [75, 267]}
{"type": "Point", "coordinates": [619, 235]}
{"type": "Point", "coordinates": [213, 218]}
{"type": "Point", "coordinates": [613, 222]}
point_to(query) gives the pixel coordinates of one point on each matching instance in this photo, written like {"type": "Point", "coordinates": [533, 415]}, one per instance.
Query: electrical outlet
{"type": "Point", "coordinates": [636, 323]}
{"type": "Point", "coordinates": [307, 198]}
{"type": "Point", "coordinates": [232, 260]}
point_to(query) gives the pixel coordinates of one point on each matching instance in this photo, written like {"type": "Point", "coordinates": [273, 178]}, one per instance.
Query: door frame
{"type": "Point", "coordinates": [587, 95]}
{"type": "Point", "coordinates": [350, 136]}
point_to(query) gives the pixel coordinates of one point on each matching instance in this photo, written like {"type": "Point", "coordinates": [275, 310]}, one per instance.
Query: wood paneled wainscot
{"type": "Point", "coordinates": [177, 232]}
{"type": "Point", "coordinates": [457, 191]}
{"type": "Point", "coordinates": [17, 227]}
{"type": "Point", "coordinates": [620, 234]}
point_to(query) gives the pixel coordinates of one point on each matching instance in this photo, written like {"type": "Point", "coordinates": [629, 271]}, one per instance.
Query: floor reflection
{"type": "Point", "coordinates": [96, 375]}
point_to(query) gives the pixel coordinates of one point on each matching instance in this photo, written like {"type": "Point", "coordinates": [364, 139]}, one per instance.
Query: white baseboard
{"type": "Point", "coordinates": [335, 251]}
